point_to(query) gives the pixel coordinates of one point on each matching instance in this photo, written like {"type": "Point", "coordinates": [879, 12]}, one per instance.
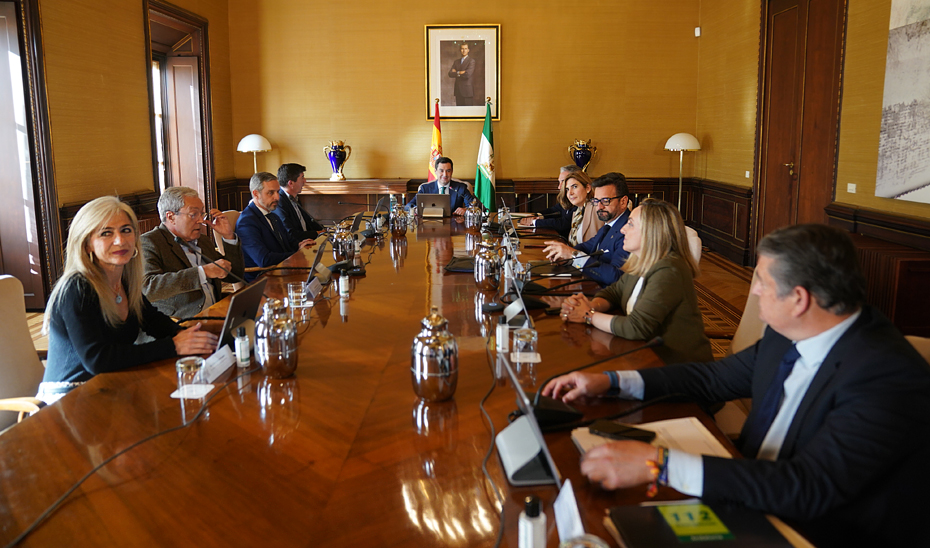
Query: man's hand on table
{"type": "Point", "coordinates": [575, 385]}
{"type": "Point", "coordinates": [619, 464]}
{"type": "Point", "coordinates": [558, 251]}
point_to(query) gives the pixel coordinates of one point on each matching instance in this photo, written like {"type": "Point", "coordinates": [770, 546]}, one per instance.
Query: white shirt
{"type": "Point", "coordinates": [296, 203]}
{"type": "Point", "coordinates": [686, 470]}
{"type": "Point", "coordinates": [194, 255]}
{"type": "Point", "coordinates": [265, 213]}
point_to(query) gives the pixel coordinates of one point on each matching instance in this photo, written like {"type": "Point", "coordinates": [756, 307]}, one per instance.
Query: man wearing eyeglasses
{"type": "Point", "coordinates": [611, 200]}
{"type": "Point", "coordinates": [183, 271]}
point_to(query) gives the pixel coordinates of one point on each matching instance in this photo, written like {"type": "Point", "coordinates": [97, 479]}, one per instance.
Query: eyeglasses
{"type": "Point", "coordinates": [606, 201]}
{"type": "Point", "coordinates": [197, 215]}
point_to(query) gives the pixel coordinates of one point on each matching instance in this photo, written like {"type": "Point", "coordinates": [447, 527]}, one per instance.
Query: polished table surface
{"type": "Point", "coordinates": [341, 454]}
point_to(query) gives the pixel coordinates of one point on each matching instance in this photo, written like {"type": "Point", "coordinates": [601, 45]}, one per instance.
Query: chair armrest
{"type": "Point", "coordinates": [43, 354]}
{"type": "Point", "coordinates": [22, 405]}
{"type": "Point", "coordinates": [727, 335]}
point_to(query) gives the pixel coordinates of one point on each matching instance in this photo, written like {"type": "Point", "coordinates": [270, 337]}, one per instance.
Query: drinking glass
{"type": "Point", "coordinates": [190, 370]}
{"type": "Point", "coordinates": [297, 294]}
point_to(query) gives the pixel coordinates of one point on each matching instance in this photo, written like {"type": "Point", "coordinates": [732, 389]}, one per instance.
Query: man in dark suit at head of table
{"type": "Point", "coordinates": [300, 225]}
{"type": "Point", "coordinates": [838, 439]}
{"type": "Point", "coordinates": [264, 238]}
{"type": "Point", "coordinates": [460, 196]}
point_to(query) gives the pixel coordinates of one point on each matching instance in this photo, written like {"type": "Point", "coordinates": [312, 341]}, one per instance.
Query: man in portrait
{"type": "Point", "coordinates": [462, 71]}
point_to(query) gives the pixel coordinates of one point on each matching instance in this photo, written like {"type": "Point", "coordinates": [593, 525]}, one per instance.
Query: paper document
{"type": "Point", "coordinates": [684, 434]}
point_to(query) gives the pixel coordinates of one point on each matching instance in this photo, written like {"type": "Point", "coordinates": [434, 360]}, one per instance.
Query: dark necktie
{"type": "Point", "coordinates": [276, 229]}
{"type": "Point", "coordinates": [599, 237]}
{"type": "Point", "coordinates": [771, 401]}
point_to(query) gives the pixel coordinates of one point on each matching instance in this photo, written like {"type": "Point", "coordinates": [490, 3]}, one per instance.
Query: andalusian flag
{"type": "Point", "coordinates": [435, 149]}
{"type": "Point", "coordinates": [484, 175]}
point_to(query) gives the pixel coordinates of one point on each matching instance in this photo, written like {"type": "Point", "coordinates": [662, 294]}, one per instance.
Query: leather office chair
{"type": "Point", "coordinates": [20, 368]}
{"type": "Point", "coordinates": [232, 215]}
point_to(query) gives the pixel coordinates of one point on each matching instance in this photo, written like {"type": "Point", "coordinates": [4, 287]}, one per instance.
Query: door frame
{"type": "Point", "coordinates": [45, 192]}
{"type": "Point", "coordinates": [191, 19]}
{"type": "Point", "coordinates": [761, 116]}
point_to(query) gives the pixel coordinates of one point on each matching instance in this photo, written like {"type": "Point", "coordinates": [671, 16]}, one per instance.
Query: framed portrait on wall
{"type": "Point", "coordinates": [463, 70]}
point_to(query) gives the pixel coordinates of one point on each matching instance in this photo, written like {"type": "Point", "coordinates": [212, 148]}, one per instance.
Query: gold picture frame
{"type": "Point", "coordinates": [463, 83]}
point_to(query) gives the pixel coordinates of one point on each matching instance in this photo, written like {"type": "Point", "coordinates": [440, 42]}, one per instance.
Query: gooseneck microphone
{"type": "Point", "coordinates": [212, 261]}
{"type": "Point", "coordinates": [553, 412]}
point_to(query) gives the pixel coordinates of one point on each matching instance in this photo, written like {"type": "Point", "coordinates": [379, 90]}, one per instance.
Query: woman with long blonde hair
{"type": "Point", "coordinates": [97, 312]}
{"type": "Point", "coordinates": [655, 294]}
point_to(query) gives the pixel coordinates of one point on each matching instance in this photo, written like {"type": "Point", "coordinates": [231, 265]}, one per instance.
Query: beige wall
{"type": "Point", "coordinates": [861, 115]}
{"type": "Point", "coordinates": [728, 69]}
{"type": "Point", "coordinates": [95, 59]}
{"type": "Point", "coordinates": [623, 74]}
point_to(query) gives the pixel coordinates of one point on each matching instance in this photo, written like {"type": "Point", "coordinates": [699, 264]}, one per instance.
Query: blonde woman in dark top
{"type": "Point", "coordinates": [97, 312]}
{"type": "Point", "coordinates": [655, 294]}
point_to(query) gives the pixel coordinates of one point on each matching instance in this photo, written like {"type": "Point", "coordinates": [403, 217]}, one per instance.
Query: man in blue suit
{"type": "Point", "coordinates": [262, 234]}
{"type": "Point", "coordinates": [611, 198]}
{"type": "Point", "coordinates": [300, 225]}
{"type": "Point", "coordinates": [838, 438]}
{"type": "Point", "coordinates": [460, 196]}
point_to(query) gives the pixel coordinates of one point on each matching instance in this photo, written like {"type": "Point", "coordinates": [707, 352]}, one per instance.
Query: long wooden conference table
{"type": "Point", "coordinates": [341, 454]}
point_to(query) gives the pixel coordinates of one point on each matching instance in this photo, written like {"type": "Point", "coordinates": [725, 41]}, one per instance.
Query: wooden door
{"type": "Point", "coordinates": [783, 78]}
{"type": "Point", "coordinates": [19, 238]}
{"type": "Point", "coordinates": [799, 112]}
{"type": "Point", "coordinates": [185, 131]}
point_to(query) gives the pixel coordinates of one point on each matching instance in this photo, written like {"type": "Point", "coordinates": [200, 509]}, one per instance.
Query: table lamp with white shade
{"type": "Point", "coordinates": [680, 142]}
{"type": "Point", "coordinates": [254, 143]}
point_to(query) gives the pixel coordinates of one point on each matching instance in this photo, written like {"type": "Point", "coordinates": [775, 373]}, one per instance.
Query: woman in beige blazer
{"type": "Point", "coordinates": [585, 224]}
{"type": "Point", "coordinates": [655, 294]}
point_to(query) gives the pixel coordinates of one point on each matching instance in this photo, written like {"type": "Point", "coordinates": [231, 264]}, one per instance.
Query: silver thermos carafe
{"type": "Point", "coordinates": [487, 267]}
{"type": "Point", "coordinates": [434, 359]}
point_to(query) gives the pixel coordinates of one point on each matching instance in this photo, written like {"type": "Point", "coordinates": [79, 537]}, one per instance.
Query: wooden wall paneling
{"type": "Point", "coordinates": [144, 204]}
{"type": "Point", "coordinates": [901, 229]}
{"type": "Point", "coordinates": [232, 194]}
{"type": "Point", "coordinates": [896, 279]}
{"type": "Point", "coordinates": [722, 218]}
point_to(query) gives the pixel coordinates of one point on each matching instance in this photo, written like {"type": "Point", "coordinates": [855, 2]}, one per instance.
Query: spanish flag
{"type": "Point", "coordinates": [435, 149]}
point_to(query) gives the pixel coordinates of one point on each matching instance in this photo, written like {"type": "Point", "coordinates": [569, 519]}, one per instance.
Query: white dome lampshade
{"type": "Point", "coordinates": [680, 142]}
{"type": "Point", "coordinates": [254, 143]}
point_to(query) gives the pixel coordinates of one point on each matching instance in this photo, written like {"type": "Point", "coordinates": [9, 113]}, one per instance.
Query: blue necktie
{"type": "Point", "coordinates": [771, 401]}
{"type": "Point", "coordinates": [599, 237]}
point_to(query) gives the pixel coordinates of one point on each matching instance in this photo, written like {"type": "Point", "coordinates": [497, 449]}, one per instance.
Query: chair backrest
{"type": "Point", "coordinates": [233, 216]}
{"type": "Point", "coordinates": [922, 345]}
{"type": "Point", "coordinates": [694, 243]}
{"type": "Point", "coordinates": [20, 368]}
{"type": "Point", "coordinates": [750, 327]}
